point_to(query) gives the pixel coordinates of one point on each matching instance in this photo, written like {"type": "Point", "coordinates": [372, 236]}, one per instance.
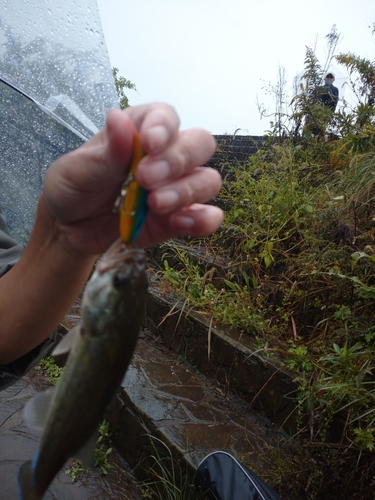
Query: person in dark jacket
{"type": "Point", "coordinates": [328, 94]}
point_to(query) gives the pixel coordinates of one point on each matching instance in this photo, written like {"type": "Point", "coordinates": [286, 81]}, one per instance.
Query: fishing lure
{"type": "Point", "coordinates": [132, 202]}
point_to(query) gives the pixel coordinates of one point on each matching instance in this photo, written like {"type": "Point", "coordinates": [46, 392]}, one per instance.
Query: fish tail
{"type": "Point", "coordinates": [26, 488]}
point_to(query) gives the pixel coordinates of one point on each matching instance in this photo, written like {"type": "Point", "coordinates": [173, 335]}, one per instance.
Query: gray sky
{"type": "Point", "coordinates": [211, 58]}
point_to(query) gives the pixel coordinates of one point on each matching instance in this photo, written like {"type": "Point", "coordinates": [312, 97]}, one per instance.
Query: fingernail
{"type": "Point", "coordinates": [157, 138]}
{"type": "Point", "coordinates": [166, 199]}
{"type": "Point", "coordinates": [183, 222]}
{"type": "Point", "coordinates": [156, 172]}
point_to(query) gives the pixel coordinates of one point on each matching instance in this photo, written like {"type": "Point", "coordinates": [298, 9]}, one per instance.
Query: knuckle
{"type": "Point", "coordinates": [179, 162]}
{"type": "Point", "coordinates": [190, 193]}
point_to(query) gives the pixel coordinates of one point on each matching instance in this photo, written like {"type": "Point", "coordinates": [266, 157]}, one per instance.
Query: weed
{"type": "Point", "coordinates": [298, 266]}
{"type": "Point", "coordinates": [75, 470]}
{"type": "Point", "coordinates": [298, 360]}
{"type": "Point", "coordinates": [169, 480]}
{"type": "Point", "coordinates": [102, 454]}
{"type": "Point", "coordinates": [49, 366]}
{"type": "Point", "coordinates": [103, 448]}
{"type": "Point", "coordinates": [103, 451]}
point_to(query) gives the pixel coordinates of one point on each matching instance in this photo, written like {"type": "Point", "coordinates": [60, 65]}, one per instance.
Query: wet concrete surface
{"type": "Point", "coordinates": [184, 408]}
{"type": "Point", "coordinates": [235, 360]}
{"type": "Point", "coordinates": [19, 444]}
{"type": "Point", "coordinates": [162, 395]}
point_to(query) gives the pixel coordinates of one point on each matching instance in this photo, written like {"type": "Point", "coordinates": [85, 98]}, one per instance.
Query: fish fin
{"type": "Point", "coordinates": [86, 454]}
{"type": "Point", "coordinates": [26, 489]}
{"type": "Point", "coordinates": [65, 344]}
{"type": "Point", "coordinates": [36, 410]}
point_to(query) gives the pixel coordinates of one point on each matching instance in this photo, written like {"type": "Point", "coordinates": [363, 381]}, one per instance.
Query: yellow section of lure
{"type": "Point", "coordinates": [132, 202]}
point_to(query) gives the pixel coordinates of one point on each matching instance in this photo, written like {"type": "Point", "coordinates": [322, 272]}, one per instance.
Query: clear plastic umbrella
{"type": "Point", "coordinates": [56, 86]}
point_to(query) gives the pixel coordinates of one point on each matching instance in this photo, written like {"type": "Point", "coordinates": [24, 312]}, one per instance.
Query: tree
{"type": "Point", "coordinates": [121, 84]}
{"type": "Point", "coordinates": [362, 81]}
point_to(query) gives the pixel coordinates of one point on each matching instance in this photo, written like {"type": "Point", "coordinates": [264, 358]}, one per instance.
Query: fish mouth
{"type": "Point", "coordinates": [118, 255]}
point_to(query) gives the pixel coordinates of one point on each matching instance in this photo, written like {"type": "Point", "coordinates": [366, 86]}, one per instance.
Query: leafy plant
{"type": "Point", "coordinates": [52, 370]}
{"type": "Point", "coordinates": [297, 359]}
{"type": "Point", "coordinates": [75, 470]}
{"type": "Point", "coordinates": [103, 448]}
{"type": "Point", "coordinates": [231, 304]}
{"type": "Point", "coordinates": [294, 266]}
{"type": "Point", "coordinates": [103, 451]}
{"type": "Point", "coordinates": [121, 84]}
{"type": "Point", "coordinates": [102, 455]}
{"type": "Point", "coordinates": [365, 438]}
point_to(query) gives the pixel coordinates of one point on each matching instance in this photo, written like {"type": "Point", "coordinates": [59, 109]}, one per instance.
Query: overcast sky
{"type": "Point", "coordinates": [211, 58]}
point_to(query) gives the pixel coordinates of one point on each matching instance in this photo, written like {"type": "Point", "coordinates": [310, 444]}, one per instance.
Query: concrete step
{"type": "Point", "coordinates": [165, 396]}
{"type": "Point", "coordinates": [231, 358]}
{"type": "Point", "coordinates": [234, 401]}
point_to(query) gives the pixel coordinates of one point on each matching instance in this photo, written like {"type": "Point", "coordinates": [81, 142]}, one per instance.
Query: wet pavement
{"type": "Point", "coordinates": [162, 395]}
{"type": "Point", "coordinates": [18, 444]}
{"type": "Point", "coordinates": [184, 408]}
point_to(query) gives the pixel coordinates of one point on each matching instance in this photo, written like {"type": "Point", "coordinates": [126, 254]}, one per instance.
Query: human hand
{"type": "Point", "coordinates": [81, 187]}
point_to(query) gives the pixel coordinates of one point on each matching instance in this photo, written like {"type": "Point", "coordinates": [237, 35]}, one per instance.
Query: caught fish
{"type": "Point", "coordinates": [101, 347]}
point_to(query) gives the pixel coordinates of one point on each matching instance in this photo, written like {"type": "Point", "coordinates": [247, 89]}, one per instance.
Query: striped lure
{"type": "Point", "coordinates": [132, 202]}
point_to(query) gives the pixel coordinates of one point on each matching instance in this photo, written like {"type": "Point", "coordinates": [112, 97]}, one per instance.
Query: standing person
{"type": "Point", "coordinates": [318, 119]}
{"type": "Point", "coordinates": [75, 221]}
{"type": "Point", "coordinates": [328, 94]}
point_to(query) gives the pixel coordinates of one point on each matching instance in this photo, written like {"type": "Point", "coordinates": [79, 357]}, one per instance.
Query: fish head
{"type": "Point", "coordinates": [120, 273]}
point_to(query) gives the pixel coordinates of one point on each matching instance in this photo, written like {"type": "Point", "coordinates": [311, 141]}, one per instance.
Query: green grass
{"type": "Point", "coordinates": [297, 251]}
{"type": "Point", "coordinates": [167, 478]}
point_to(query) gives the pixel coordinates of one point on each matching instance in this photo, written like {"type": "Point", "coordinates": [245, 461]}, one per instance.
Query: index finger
{"type": "Point", "coordinates": [157, 123]}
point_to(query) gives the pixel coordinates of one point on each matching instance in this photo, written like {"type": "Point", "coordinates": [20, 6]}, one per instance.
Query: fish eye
{"type": "Point", "coordinates": [121, 279]}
